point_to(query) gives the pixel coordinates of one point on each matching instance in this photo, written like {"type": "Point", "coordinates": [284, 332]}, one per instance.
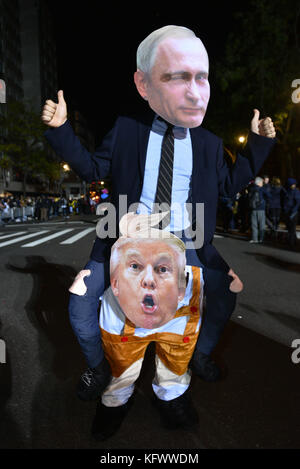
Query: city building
{"type": "Point", "coordinates": [28, 69]}
{"type": "Point", "coordinates": [10, 50]}
{"type": "Point", "coordinates": [38, 49]}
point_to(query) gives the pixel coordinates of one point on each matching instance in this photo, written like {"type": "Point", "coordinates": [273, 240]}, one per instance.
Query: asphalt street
{"type": "Point", "coordinates": [255, 405]}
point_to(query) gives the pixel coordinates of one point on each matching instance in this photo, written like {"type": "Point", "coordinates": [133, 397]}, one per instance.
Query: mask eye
{"type": "Point", "coordinates": [162, 269]}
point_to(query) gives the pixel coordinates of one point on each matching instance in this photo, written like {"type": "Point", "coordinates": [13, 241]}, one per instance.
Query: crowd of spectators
{"type": "Point", "coordinates": [264, 205]}
{"type": "Point", "coordinates": [42, 207]}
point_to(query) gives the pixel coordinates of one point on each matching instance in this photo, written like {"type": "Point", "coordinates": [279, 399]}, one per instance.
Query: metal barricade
{"type": "Point", "coordinates": [21, 213]}
{"type": "Point", "coordinates": [17, 212]}
{"type": "Point", "coordinates": [29, 212]}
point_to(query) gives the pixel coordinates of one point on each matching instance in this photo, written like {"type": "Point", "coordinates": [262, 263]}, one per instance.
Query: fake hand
{"type": "Point", "coordinates": [264, 127]}
{"type": "Point", "coordinates": [236, 285]}
{"type": "Point", "coordinates": [55, 114]}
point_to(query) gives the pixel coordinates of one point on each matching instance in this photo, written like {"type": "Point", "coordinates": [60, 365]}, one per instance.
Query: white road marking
{"type": "Point", "coordinates": [47, 238]}
{"type": "Point", "coordinates": [13, 234]}
{"type": "Point", "coordinates": [79, 235]}
{"type": "Point", "coordinates": [31, 235]}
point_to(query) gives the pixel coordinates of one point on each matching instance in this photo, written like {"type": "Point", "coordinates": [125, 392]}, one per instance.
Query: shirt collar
{"type": "Point", "coordinates": [159, 126]}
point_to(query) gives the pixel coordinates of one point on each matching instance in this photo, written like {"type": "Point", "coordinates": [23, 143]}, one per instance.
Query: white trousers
{"type": "Point", "coordinates": [166, 384]}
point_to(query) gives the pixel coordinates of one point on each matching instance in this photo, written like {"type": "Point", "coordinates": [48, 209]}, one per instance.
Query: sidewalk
{"type": "Point", "coordinates": [280, 242]}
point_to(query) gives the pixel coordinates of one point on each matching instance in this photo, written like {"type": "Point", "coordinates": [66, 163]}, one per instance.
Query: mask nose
{"type": "Point", "coordinates": [193, 92]}
{"type": "Point", "coordinates": [148, 280]}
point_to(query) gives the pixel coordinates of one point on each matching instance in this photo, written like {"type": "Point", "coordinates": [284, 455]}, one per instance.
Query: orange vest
{"type": "Point", "coordinates": [174, 350]}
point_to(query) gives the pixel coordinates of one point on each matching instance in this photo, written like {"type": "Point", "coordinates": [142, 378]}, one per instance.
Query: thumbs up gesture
{"type": "Point", "coordinates": [55, 114]}
{"type": "Point", "coordinates": [264, 127]}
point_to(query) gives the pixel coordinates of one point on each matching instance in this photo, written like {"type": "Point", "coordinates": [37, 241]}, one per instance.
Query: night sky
{"type": "Point", "coordinates": [96, 47]}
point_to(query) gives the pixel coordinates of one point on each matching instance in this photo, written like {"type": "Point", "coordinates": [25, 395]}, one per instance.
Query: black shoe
{"type": "Point", "coordinates": [204, 367]}
{"type": "Point", "coordinates": [108, 420]}
{"type": "Point", "coordinates": [93, 381]}
{"type": "Point", "coordinates": [177, 413]}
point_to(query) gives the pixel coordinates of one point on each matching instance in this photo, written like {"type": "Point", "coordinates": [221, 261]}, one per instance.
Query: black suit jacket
{"type": "Point", "coordinates": [122, 155]}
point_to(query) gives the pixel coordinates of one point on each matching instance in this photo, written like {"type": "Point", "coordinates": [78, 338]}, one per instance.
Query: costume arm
{"type": "Point", "coordinates": [88, 166]}
{"type": "Point", "coordinates": [232, 178]}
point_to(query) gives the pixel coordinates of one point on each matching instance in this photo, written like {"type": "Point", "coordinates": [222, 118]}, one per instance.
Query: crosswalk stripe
{"type": "Point", "coordinates": [47, 238]}
{"type": "Point", "coordinates": [77, 236]}
{"type": "Point", "coordinates": [13, 234]}
{"type": "Point", "coordinates": [31, 235]}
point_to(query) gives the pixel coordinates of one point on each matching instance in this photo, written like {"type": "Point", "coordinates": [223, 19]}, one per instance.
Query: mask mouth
{"type": "Point", "coordinates": [148, 304]}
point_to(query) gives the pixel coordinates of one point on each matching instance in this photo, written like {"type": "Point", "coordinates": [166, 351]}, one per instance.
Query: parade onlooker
{"type": "Point", "coordinates": [44, 208]}
{"type": "Point", "coordinates": [274, 204]}
{"type": "Point", "coordinates": [267, 189]}
{"type": "Point", "coordinates": [227, 210]}
{"type": "Point", "coordinates": [266, 182]}
{"type": "Point", "coordinates": [243, 210]}
{"type": "Point", "coordinates": [2, 208]}
{"type": "Point", "coordinates": [37, 210]}
{"type": "Point", "coordinates": [73, 206]}
{"type": "Point", "coordinates": [86, 206]}
{"type": "Point", "coordinates": [257, 204]}
{"type": "Point", "coordinates": [291, 205]}
{"type": "Point", "coordinates": [6, 212]}
{"type": "Point", "coordinates": [55, 206]}
{"type": "Point", "coordinates": [64, 206]}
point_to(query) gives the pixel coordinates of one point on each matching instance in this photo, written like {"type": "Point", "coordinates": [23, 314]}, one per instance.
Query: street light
{"type": "Point", "coordinates": [64, 169]}
{"type": "Point", "coordinates": [241, 139]}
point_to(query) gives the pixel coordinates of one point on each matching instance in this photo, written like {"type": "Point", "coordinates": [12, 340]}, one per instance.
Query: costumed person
{"type": "Point", "coordinates": [153, 297]}
{"type": "Point", "coordinates": [172, 77]}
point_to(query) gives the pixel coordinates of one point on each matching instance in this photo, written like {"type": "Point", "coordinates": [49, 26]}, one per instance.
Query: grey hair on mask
{"type": "Point", "coordinates": [147, 49]}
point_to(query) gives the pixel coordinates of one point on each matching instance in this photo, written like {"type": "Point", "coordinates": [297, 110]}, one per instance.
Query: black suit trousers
{"type": "Point", "coordinates": [219, 306]}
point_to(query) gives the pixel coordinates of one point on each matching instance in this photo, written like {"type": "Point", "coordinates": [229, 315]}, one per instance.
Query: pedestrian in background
{"type": "Point", "coordinates": [44, 206]}
{"type": "Point", "coordinates": [243, 210]}
{"type": "Point", "coordinates": [227, 211]}
{"type": "Point", "coordinates": [291, 205]}
{"type": "Point", "coordinates": [64, 207]}
{"type": "Point", "coordinates": [266, 183]}
{"type": "Point", "coordinates": [274, 202]}
{"type": "Point", "coordinates": [267, 189]}
{"type": "Point", "coordinates": [257, 204]}
{"type": "Point", "coordinates": [6, 213]}
{"type": "Point", "coordinates": [2, 207]}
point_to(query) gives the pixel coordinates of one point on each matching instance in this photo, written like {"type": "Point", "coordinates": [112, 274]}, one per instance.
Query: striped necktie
{"type": "Point", "coordinates": [165, 176]}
